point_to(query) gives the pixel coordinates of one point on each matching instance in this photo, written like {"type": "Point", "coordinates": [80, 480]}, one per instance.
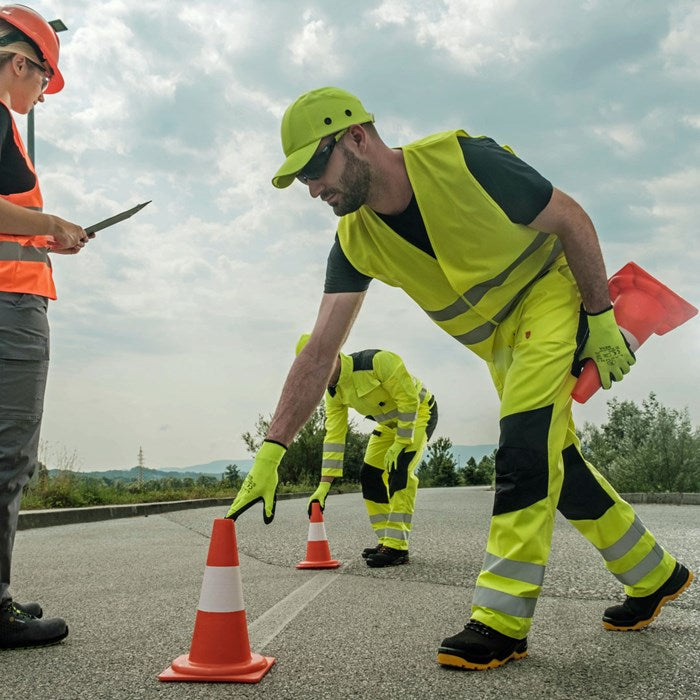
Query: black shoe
{"type": "Point", "coordinates": [33, 609]}
{"type": "Point", "coordinates": [20, 629]}
{"type": "Point", "coordinates": [388, 556]}
{"type": "Point", "coordinates": [478, 647]}
{"type": "Point", "coordinates": [369, 551]}
{"type": "Point", "coordinates": [637, 613]}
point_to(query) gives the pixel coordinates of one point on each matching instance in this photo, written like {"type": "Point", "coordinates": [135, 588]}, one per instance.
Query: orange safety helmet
{"type": "Point", "coordinates": [41, 34]}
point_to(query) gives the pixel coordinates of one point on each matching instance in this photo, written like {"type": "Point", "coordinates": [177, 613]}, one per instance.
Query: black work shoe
{"type": "Point", "coordinates": [20, 629]}
{"type": "Point", "coordinates": [388, 556]}
{"type": "Point", "coordinates": [637, 613]}
{"type": "Point", "coordinates": [478, 647]}
{"type": "Point", "coordinates": [369, 551]}
{"type": "Point", "coordinates": [33, 609]}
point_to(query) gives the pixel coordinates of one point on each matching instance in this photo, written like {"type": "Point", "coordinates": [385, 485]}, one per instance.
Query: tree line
{"type": "Point", "coordinates": [646, 447]}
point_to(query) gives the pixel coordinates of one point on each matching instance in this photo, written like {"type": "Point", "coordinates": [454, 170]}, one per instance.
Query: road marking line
{"type": "Point", "coordinates": [266, 627]}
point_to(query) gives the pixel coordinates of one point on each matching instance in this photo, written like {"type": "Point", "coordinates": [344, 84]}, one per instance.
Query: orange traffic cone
{"type": "Point", "coordinates": [220, 649]}
{"type": "Point", "coordinates": [318, 553]}
{"type": "Point", "coordinates": [642, 306]}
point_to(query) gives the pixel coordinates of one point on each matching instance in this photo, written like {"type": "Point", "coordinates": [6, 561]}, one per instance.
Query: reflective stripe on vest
{"type": "Point", "coordinates": [484, 264]}
{"type": "Point", "coordinates": [25, 266]}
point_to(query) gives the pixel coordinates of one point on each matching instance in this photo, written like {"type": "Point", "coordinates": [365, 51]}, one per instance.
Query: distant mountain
{"type": "Point", "coordinates": [216, 467]}
{"type": "Point", "coordinates": [463, 452]}
{"type": "Point", "coordinates": [133, 474]}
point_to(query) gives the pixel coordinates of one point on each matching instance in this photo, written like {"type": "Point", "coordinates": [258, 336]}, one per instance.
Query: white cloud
{"type": "Point", "coordinates": [316, 46]}
{"type": "Point", "coordinates": [473, 33]}
{"type": "Point", "coordinates": [625, 137]}
{"type": "Point", "coordinates": [680, 47]}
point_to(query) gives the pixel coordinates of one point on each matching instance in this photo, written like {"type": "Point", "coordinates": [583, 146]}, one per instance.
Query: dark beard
{"type": "Point", "coordinates": [354, 184]}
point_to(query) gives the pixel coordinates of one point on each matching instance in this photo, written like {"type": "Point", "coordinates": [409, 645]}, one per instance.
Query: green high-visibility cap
{"type": "Point", "coordinates": [312, 116]}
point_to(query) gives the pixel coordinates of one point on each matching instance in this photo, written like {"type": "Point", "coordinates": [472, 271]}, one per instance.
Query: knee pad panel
{"type": "Point", "coordinates": [373, 488]}
{"type": "Point", "coordinates": [522, 465]}
{"type": "Point", "coordinates": [582, 497]}
{"type": "Point", "coordinates": [398, 478]}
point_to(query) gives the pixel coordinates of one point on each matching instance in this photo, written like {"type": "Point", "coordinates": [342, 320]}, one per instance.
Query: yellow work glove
{"type": "Point", "coordinates": [604, 343]}
{"type": "Point", "coordinates": [261, 483]}
{"type": "Point", "coordinates": [392, 455]}
{"type": "Point", "coordinates": [319, 495]}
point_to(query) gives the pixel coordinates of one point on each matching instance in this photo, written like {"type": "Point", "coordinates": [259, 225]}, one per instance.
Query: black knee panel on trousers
{"type": "Point", "coordinates": [373, 488]}
{"type": "Point", "coordinates": [398, 478]}
{"type": "Point", "coordinates": [582, 497]}
{"type": "Point", "coordinates": [522, 469]}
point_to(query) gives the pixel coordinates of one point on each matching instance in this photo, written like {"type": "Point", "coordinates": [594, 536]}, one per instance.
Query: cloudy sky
{"type": "Point", "coordinates": [175, 330]}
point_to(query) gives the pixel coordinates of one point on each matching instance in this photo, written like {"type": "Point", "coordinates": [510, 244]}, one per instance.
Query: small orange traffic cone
{"type": "Point", "coordinates": [642, 306]}
{"type": "Point", "coordinates": [318, 553]}
{"type": "Point", "coordinates": [220, 648]}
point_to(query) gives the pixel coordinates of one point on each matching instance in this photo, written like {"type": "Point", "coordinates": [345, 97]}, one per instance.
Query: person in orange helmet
{"type": "Point", "coordinates": [29, 49]}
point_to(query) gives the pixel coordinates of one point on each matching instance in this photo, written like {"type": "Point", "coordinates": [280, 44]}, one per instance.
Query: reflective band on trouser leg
{"type": "Point", "coordinates": [610, 524]}
{"type": "Point", "coordinates": [533, 351]}
{"type": "Point", "coordinates": [221, 610]}
{"type": "Point", "coordinates": [373, 477]}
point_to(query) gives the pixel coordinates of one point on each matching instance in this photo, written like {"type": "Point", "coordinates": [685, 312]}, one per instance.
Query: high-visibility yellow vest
{"type": "Point", "coordinates": [25, 266]}
{"type": "Point", "coordinates": [484, 263]}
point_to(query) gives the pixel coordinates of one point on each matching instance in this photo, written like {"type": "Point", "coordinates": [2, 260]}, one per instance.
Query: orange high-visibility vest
{"type": "Point", "coordinates": [25, 266]}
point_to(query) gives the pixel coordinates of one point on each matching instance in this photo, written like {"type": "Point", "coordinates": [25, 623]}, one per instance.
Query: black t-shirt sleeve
{"type": "Point", "coordinates": [515, 186]}
{"type": "Point", "coordinates": [341, 275]}
{"type": "Point", "coordinates": [5, 127]}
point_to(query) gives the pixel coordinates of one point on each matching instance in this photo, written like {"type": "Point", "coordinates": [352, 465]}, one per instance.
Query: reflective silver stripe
{"type": "Point", "coordinates": [477, 293]}
{"type": "Point", "coordinates": [332, 464]}
{"type": "Point", "coordinates": [473, 296]}
{"type": "Point", "coordinates": [408, 417]}
{"type": "Point", "coordinates": [378, 518]}
{"type": "Point", "coordinates": [504, 602]}
{"type": "Point", "coordinates": [638, 572]}
{"type": "Point", "coordinates": [482, 332]}
{"type": "Point", "coordinates": [334, 447]}
{"type": "Point", "coordinates": [423, 393]}
{"type": "Point", "coordinates": [9, 250]}
{"type": "Point", "coordinates": [404, 432]}
{"type": "Point", "coordinates": [396, 534]}
{"type": "Point", "coordinates": [626, 542]}
{"type": "Point", "coordinates": [381, 417]}
{"type": "Point", "coordinates": [518, 570]}
{"type": "Point", "coordinates": [400, 517]}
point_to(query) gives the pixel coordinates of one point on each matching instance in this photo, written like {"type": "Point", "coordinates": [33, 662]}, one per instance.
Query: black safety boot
{"type": "Point", "coordinates": [33, 609]}
{"type": "Point", "coordinates": [388, 556]}
{"type": "Point", "coordinates": [20, 629]}
{"type": "Point", "coordinates": [369, 551]}
{"type": "Point", "coordinates": [637, 613]}
{"type": "Point", "coordinates": [478, 647]}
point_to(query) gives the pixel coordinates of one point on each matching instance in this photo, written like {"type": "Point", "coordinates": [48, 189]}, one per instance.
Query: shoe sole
{"type": "Point", "coordinates": [391, 563]}
{"type": "Point", "coordinates": [56, 640]}
{"type": "Point", "coordinates": [644, 623]}
{"type": "Point", "coordinates": [445, 659]}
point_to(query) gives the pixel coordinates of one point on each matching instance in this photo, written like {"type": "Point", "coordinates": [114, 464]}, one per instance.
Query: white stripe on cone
{"type": "Point", "coordinates": [222, 590]}
{"type": "Point", "coordinates": [317, 532]}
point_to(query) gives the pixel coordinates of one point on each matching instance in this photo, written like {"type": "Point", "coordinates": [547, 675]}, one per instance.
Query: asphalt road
{"type": "Point", "coordinates": [129, 589]}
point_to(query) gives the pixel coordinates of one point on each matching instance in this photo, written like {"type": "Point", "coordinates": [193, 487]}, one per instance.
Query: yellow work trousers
{"type": "Point", "coordinates": [390, 497]}
{"type": "Point", "coordinates": [539, 468]}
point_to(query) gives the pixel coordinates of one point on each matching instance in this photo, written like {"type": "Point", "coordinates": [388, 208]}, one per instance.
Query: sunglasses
{"type": "Point", "coordinates": [46, 76]}
{"type": "Point", "coordinates": [319, 161]}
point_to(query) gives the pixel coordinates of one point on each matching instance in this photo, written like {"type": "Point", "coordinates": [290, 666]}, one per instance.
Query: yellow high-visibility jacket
{"type": "Point", "coordinates": [377, 385]}
{"type": "Point", "coordinates": [483, 264]}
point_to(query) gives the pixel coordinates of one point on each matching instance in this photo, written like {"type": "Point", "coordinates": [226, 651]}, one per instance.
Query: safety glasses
{"type": "Point", "coordinates": [319, 161]}
{"type": "Point", "coordinates": [45, 77]}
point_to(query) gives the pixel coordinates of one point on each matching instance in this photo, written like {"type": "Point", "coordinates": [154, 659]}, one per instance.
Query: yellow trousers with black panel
{"type": "Point", "coordinates": [539, 468]}
{"type": "Point", "coordinates": [390, 496]}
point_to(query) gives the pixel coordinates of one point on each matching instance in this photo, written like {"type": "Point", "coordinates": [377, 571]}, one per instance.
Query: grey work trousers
{"type": "Point", "coordinates": [24, 361]}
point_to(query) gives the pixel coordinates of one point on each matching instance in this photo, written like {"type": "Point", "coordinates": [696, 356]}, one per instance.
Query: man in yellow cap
{"type": "Point", "coordinates": [511, 267]}
{"type": "Point", "coordinates": [377, 385]}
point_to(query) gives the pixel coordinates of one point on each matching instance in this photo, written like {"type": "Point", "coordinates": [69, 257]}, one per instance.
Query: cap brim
{"type": "Point", "coordinates": [294, 163]}
{"type": "Point", "coordinates": [56, 83]}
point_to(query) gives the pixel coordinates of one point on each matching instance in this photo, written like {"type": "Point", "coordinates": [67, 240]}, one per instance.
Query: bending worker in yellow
{"type": "Point", "coordinates": [377, 384]}
{"type": "Point", "coordinates": [511, 267]}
